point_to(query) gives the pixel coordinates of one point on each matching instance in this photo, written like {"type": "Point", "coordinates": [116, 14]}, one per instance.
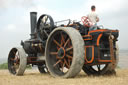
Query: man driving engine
{"type": "Point", "coordinates": [93, 18]}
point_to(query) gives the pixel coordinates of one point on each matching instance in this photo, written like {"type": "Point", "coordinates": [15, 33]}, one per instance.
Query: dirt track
{"type": "Point", "coordinates": [33, 77]}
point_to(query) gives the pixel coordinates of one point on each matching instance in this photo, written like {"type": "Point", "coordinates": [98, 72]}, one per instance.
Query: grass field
{"type": "Point", "coordinates": [33, 77]}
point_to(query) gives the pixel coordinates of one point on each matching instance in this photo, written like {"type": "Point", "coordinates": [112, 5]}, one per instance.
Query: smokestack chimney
{"type": "Point", "coordinates": [33, 19]}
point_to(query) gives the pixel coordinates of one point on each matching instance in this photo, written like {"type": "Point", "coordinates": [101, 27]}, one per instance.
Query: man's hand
{"type": "Point", "coordinates": [97, 19]}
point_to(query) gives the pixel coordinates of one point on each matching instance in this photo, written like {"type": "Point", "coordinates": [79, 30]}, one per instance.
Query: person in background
{"type": "Point", "coordinates": [93, 18]}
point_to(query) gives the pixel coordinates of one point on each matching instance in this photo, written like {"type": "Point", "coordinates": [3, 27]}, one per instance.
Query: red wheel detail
{"type": "Point", "coordinates": [86, 21]}
{"type": "Point", "coordinates": [57, 43]}
{"type": "Point", "coordinates": [66, 63]}
{"type": "Point", "coordinates": [53, 53]}
{"type": "Point", "coordinates": [57, 63]}
{"type": "Point", "coordinates": [62, 39]}
{"type": "Point", "coordinates": [68, 49]}
{"type": "Point", "coordinates": [66, 42]}
{"type": "Point", "coordinates": [70, 57]}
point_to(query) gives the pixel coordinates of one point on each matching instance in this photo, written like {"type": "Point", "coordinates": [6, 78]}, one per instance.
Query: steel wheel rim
{"type": "Point", "coordinates": [14, 61]}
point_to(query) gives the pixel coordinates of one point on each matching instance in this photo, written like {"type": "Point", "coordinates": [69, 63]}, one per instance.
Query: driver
{"type": "Point", "coordinates": [93, 18]}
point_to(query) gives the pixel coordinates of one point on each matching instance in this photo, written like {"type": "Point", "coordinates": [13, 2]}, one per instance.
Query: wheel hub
{"type": "Point", "coordinates": [61, 52]}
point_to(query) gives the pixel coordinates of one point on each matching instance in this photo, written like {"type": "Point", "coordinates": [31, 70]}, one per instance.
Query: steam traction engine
{"type": "Point", "coordinates": [64, 50]}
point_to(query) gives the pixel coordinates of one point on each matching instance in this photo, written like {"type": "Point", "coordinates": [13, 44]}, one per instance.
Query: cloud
{"type": "Point", "coordinates": [10, 27]}
{"type": "Point", "coordinates": [106, 6]}
{"type": "Point", "coordinates": [6, 4]}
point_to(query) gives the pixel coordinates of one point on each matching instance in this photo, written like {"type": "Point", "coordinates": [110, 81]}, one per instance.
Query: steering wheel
{"type": "Point", "coordinates": [86, 21]}
{"type": "Point", "coordinates": [45, 25]}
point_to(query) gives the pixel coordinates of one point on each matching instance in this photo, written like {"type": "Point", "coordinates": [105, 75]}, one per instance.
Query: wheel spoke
{"type": "Point", "coordinates": [62, 39]}
{"type": "Point", "coordinates": [98, 66]}
{"type": "Point", "coordinates": [53, 53]}
{"type": "Point", "coordinates": [45, 33]}
{"type": "Point", "coordinates": [69, 44]}
{"type": "Point", "coordinates": [66, 42]}
{"type": "Point", "coordinates": [66, 63]}
{"type": "Point", "coordinates": [46, 18]}
{"type": "Point", "coordinates": [57, 63]}
{"type": "Point", "coordinates": [61, 63]}
{"type": "Point", "coordinates": [69, 62]}
{"type": "Point", "coordinates": [63, 66]}
{"type": "Point", "coordinates": [70, 57]}
{"type": "Point", "coordinates": [57, 57]}
{"type": "Point", "coordinates": [68, 49]}
{"type": "Point", "coordinates": [41, 26]}
{"type": "Point", "coordinates": [56, 43]}
{"type": "Point", "coordinates": [16, 57]}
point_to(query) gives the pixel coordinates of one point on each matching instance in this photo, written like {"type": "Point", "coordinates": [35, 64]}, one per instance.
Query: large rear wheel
{"type": "Point", "coordinates": [103, 69]}
{"type": "Point", "coordinates": [64, 52]}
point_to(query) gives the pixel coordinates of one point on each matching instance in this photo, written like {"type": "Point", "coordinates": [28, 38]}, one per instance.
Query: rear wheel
{"type": "Point", "coordinates": [17, 61]}
{"type": "Point", "coordinates": [95, 69]}
{"type": "Point", "coordinates": [64, 52]}
{"type": "Point", "coordinates": [103, 69]}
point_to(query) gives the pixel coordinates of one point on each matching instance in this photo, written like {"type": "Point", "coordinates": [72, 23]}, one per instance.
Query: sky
{"type": "Point", "coordinates": [15, 17]}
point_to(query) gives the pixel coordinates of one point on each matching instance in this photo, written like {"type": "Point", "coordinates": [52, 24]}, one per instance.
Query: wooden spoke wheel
{"type": "Point", "coordinates": [64, 52]}
{"type": "Point", "coordinates": [103, 69]}
{"type": "Point", "coordinates": [17, 61]}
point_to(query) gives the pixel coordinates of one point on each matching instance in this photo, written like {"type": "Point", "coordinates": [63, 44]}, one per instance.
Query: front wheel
{"type": "Point", "coordinates": [17, 61]}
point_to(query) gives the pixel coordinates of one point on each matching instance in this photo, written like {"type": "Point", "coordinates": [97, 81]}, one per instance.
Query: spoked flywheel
{"type": "Point", "coordinates": [17, 61]}
{"type": "Point", "coordinates": [64, 52]}
{"type": "Point", "coordinates": [103, 69]}
{"type": "Point", "coordinates": [45, 25]}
